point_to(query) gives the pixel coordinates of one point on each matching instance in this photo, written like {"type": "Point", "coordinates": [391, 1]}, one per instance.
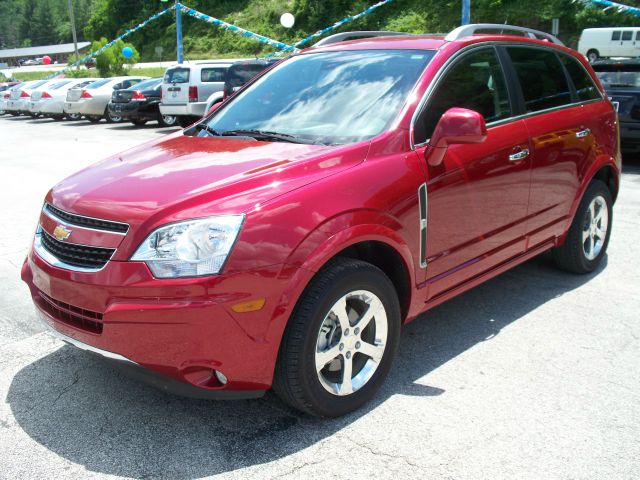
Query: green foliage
{"type": "Point", "coordinates": [112, 62]}
{"type": "Point", "coordinates": [25, 23]}
{"type": "Point", "coordinates": [37, 22]}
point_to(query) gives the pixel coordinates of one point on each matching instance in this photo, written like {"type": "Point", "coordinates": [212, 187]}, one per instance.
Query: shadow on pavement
{"type": "Point", "coordinates": [88, 413]}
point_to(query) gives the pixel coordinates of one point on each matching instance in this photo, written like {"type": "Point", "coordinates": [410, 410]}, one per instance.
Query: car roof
{"type": "Point", "coordinates": [428, 42]}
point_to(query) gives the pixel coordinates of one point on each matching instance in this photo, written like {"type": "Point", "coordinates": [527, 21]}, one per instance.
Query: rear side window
{"type": "Point", "coordinates": [475, 82]}
{"type": "Point", "coordinates": [615, 35]}
{"type": "Point", "coordinates": [212, 74]}
{"type": "Point", "coordinates": [541, 77]}
{"type": "Point", "coordinates": [177, 75]}
{"type": "Point", "coordinates": [627, 35]}
{"type": "Point", "coordinates": [585, 88]}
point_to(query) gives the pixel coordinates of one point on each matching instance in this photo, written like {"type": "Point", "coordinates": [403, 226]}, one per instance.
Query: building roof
{"type": "Point", "coordinates": [42, 50]}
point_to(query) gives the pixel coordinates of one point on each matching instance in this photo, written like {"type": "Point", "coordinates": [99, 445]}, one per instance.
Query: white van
{"type": "Point", "coordinates": [609, 42]}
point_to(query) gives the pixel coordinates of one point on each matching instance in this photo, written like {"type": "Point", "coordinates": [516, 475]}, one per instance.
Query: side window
{"type": "Point", "coordinates": [475, 82]}
{"type": "Point", "coordinates": [615, 35]}
{"type": "Point", "coordinates": [118, 86]}
{"type": "Point", "coordinates": [585, 88]}
{"type": "Point", "coordinates": [627, 35]}
{"type": "Point", "coordinates": [637, 35]}
{"type": "Point", "coordinates": [212, 74]}
{"type": "Point", "coordinates": [541, 77]}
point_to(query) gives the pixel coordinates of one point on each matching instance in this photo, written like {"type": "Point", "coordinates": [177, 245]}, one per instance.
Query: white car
{"type": "Point", "coordinates": [187, 87]}
{"type": "Point", "coordinates": [49, 100]}
{"type": "Point", "coordinates": [4, 98]}
{"type": "Point", "coordinates": [92, 101]}
{"type": "Point", "coordinates": [19, 98]}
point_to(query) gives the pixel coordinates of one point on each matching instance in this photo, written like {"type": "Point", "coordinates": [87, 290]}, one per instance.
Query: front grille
{"type": "Point", "coordinates": [88, 222]}
{"type": "Point", "coordinates": [76, 255]}
{"type": "Point", "coordinates": [74, 316]}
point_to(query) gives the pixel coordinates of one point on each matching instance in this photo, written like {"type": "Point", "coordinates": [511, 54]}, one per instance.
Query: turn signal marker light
{"type": "Point", "coordinates": [249, 306]}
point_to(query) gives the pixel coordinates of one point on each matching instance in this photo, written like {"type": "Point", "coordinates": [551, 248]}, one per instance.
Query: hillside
{"type": "Point", "coordinates": [108, 18]}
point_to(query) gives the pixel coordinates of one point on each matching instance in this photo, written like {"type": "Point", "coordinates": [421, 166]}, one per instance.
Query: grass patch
{"type": "Point", "coordinates": [91, 72]}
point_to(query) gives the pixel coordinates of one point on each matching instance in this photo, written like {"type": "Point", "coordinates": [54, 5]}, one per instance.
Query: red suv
{"type": "Point", "coordinates": [283, 240]}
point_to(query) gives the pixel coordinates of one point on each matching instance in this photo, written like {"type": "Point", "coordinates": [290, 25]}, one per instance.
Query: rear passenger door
{"type": "Point", "coordinates": [477, 198]}
{"type": "Point", "coordinates": [558, 115]}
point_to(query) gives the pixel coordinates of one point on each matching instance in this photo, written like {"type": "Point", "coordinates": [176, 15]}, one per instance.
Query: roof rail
{"type": "Point", "coordinates": [343, 37]}
{"type": "Point", "coordinates": [466, 30]}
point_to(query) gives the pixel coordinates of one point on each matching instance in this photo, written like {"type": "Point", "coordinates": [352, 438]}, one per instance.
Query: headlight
{"type": "Point", "coordinates": [191, 248]}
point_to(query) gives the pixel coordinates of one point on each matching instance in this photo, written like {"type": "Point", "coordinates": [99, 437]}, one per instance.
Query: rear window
{"type": "Point", "coordinates": [585, 88]}
{"type": "Point", "coordinates": [37, 84]}
{"type": "Point", "coordinates": [541, 77]}
{"type": "Point", "coordinates": [147, 84]}
{"type": "Point", "coordinates": [99, 83]}
{"type": "Point", "coordinates": [58, 85]}
{"type": "Point", "coordinates": [177, 75]}
{"type": "Point", "coordinates": [84, 84]}
{"type": "Point", "coordinates": [213, 74]}
{"type": "Point", "coordinates": [617, 75]}
{"type": "Point", "coordinates": [240, 74]}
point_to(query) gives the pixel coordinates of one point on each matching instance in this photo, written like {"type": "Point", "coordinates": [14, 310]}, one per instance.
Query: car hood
{"type": "Point", "coordinates": [181, 177]}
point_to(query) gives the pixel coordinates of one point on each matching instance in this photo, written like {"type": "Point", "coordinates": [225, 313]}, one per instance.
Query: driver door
{"type": "Point", "coordinates": [477, 198]}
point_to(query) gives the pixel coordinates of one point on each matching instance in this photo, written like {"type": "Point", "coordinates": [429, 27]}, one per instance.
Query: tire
{"type": "Point", "coordinates": [593, 55]}
{"type": "Point", "coordinates": [15, 114]}
{"type": "Point", "coordinates": [314, 328]}
{"type": "Point", "coordinates": [111, 118]}
{"type": "Point", "coordinates": [73, 116]}
{"type": "Point", "coordinates": [138, 122]}
{"type": "Point", "coordinates": [588, 239]}
{"type": "Point", "coordinates": [167, 120]}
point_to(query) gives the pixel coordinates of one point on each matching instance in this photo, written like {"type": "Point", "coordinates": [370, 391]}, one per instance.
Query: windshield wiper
{"type": "Point", "coordinates": [208, 129]}
{"type": "Point", "coordinates": [264, 135]}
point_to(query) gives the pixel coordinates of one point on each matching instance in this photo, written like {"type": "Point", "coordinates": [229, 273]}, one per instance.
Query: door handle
{"type": "Point", "coordinates": [514, 157]}
{"type": "Point", "coordinates": [583, 133]}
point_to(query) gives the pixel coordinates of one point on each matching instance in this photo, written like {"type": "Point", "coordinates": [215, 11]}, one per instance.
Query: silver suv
{"type": "Point", "coordinates": [186, 88]}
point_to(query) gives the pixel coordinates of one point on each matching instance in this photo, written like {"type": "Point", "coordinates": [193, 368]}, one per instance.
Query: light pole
{"type": "Point", "coordinates": [73, 32]}
{"type": "Point", "coordinates": [179, 49]}
{"type": "Point", "coordinates": [466, 12]}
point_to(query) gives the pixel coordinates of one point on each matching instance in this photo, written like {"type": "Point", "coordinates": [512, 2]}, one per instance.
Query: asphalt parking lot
{"type": "Point", "coordinates": [535, 374]}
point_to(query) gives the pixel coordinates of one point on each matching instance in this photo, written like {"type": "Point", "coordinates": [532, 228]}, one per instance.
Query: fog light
{"type": "Point", "coordinates": [221, 378]}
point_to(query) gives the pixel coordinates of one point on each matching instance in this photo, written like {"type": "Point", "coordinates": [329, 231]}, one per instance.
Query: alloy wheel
{"type": "Point", "coordinates": [351, 342]}
{"type": "Point", "coordinates": [594, 230]}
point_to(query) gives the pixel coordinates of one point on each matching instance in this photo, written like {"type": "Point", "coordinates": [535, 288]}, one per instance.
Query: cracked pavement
{"type": "Point", "coordinates": [535, 374]}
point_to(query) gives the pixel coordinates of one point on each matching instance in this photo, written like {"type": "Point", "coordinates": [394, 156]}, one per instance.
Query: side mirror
{"type": "Point", "coordinates": [456, 126]}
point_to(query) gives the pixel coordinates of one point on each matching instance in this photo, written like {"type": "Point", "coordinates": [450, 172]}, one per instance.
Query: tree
{"type": "Point", "coordinates": [112, 62]}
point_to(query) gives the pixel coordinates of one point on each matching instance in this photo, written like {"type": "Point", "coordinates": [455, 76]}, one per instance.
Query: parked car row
{"type": "Point", "coordinates": [187, 92]}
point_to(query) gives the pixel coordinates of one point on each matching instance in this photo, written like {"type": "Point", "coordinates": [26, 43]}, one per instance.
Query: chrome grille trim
{"type": "Point", "coordinates": [83, 221]}
{"type": "Point", "coordinates": [54, 261]}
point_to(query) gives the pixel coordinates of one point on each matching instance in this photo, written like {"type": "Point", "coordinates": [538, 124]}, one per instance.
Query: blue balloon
{"type": "Point", "coordinates": [127, 52]}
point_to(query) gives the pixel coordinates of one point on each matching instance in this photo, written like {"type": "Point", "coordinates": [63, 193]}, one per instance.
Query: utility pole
{"type": "Point", "coordinates": [466, 12]}
{"type": "Point", "coordinates": [179, 49]}
{"type": "Point", "coordinates": [73, 32]}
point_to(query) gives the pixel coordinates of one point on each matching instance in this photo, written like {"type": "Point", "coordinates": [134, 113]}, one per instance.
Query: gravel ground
{"type": "Point", "coordinates": [535, 374]}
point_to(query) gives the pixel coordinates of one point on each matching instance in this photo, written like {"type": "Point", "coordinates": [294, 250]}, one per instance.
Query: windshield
{"type": "Point", "coordinates": [619, 78]}
{"type": "Point", "coordinates": [332, 97]}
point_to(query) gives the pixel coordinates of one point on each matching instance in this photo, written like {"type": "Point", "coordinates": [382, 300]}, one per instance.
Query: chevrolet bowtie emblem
{"type": "Point", "coordinates": [61, 233]}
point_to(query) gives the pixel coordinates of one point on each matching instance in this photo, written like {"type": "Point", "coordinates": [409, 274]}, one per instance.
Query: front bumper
{"type": "Point", "coordinates": [192, 109]}
{"type": "Point", "coordinates": [174, 333]}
